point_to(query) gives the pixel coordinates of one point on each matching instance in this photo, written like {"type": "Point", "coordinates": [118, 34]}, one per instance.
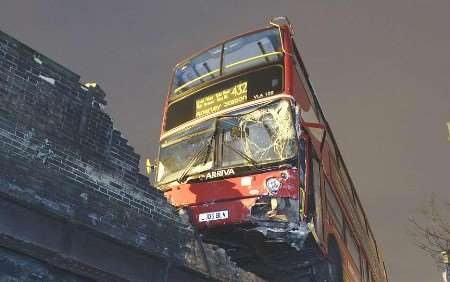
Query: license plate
{"type": "Point", "coordinates": [210, 216]}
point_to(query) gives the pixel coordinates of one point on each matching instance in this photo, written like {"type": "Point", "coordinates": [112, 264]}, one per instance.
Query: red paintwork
{"type": "Point", "coordinates": [288, 61]}
{"type": "Point", "coordinates": [238, 212]}
{"type": "Point", "coordinates": [231, 188]}
{"type": "Point", "coordinates": [229, 194]}
{"type": "Point", "coordinates": [313, 125]}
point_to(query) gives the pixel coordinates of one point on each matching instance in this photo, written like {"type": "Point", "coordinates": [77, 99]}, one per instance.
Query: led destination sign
{"type": "Point", "coordinates": [225, 94]}
{"type": "Point", "coordinates": [226, 98]}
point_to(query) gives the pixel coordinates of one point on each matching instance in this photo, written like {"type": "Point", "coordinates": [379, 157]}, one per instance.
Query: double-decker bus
{"type": "Point", "coordinates": [245, 152]}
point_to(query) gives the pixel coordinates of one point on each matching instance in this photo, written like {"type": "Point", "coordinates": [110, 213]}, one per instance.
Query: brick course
{"type": "Point", "coordinates": [62, 160]}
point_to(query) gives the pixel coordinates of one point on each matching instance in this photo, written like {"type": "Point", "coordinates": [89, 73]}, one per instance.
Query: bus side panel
{"type": "Point", "coordinates": [289, 72]}
{"type": "Point", "coordinates": [326, 159]}
{"type": "Point", "coordinates": [350, 271]}
{"type": "Point", "coordinates": [307, 112]}
{"type": "Point", "coordinates": [233, 188]}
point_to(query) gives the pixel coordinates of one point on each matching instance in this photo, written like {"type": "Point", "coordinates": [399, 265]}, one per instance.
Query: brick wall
{"type": "Point", "coordinates": [37, 93]}
{"type": "Point", "coordinates": [64, 165]}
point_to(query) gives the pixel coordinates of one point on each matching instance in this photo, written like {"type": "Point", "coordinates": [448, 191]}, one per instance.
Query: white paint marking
{"type": "Point", "coordinates": [48, 79]}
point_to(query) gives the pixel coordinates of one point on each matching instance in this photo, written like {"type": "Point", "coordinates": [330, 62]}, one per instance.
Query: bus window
{"type": "Point", "coordinates": [200, 69]}
{"type": "Point", "coordinates": [252, 50]}
{"type": "Point", "coordinates": [334, 208]}
{"type": "Point", "coordinates": [316, 198]}
{"type": "Point", "coordinates": [353, 248]}
{"type": "Point", "coordinates": [363, 268]}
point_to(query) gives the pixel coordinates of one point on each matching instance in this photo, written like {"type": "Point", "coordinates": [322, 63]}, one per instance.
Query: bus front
{"type": "Point", "coordinates": [229, 149]}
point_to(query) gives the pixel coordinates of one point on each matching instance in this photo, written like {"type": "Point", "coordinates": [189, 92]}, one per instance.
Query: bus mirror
{"type": "Point", "coordinates": [150, 166]}
{"type": "Point", "coordinates": [448, 125]}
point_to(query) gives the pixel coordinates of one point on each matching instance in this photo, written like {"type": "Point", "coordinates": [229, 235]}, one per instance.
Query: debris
{"type": "Point", "coordinates": [48, 79]}
{"type": "Point", "coordinates": [278, 121]}
{"type": "Point", "coordinates": [84, 196]}
{"type": "Point", "coordinates": [28, 137]}
{"type": "Point", "coordinates": [37, 60]}
{"type": "Point", "coordinates": [45, 152]}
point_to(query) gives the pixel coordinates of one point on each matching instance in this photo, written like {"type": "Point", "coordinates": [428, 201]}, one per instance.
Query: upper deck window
{"type": "Point", "coordinates": [199, 69]}
{"type": "Point", "coordinates": [245, 52]}
{"type": "Point", "coordinates": [252, 50]}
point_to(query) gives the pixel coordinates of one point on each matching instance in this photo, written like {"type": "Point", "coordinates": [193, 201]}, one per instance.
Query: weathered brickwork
{"type": "Point", "coordinates": [37, 93]}
{"type": "Point", "coordinates": [17, 267]}
{"type": "Point", "coordinates": [72, 182]}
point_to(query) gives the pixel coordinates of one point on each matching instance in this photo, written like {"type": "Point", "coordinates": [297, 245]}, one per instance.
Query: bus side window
{"type": "Point", "coordinates": [334, 210]}
{"type": "Point", "coordinates": [364, 269]}
{"type": "Point", "coordinates": [353, 249]}
{"type": "Point", "coordinates": [315, 196]}
{"type": "Point", "coordinates": [314, 186]}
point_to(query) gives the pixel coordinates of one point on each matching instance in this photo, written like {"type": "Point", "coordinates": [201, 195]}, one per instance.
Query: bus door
{"type": "Point", "coordinates": [310, 187]}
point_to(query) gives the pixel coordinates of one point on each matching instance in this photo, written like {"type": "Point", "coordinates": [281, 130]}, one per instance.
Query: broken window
{"type": "Point", "coordinates": [260, 135]}
{"type": "Point", "coordinates": [266, 134]}
{"type": "Point", "coordinates": [180, 150]}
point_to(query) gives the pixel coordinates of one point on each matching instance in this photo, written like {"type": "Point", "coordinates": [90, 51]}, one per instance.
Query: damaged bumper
{"type": "Point", "coordinates": [277, 218]}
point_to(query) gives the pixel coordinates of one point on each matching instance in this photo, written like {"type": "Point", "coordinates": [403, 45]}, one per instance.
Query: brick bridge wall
{"type": "Point", "coordinates": [74, 205]}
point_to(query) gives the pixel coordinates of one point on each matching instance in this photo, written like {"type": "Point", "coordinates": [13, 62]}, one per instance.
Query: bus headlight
{"type": "Point", "coordinates": [273, 185]}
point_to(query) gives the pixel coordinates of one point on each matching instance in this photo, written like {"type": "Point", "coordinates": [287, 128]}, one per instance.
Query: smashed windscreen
{"type": "Point", "coordinates": [266, 134]}
{"type": "Point", "coordinates": [191, 148]}
{"type": "Point", "coordinates": [245, 52]}
{"type": "Point", "coordinates": [260, 135]}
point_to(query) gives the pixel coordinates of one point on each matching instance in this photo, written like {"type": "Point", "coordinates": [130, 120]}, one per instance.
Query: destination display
{"type": "Point", "coordinates": [226, 98]}
{"type": "Point", "coordinates": [231, 92]}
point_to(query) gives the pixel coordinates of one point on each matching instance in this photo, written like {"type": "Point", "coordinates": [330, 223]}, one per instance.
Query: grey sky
{"type": "Point", "coordinates": [381, 70]}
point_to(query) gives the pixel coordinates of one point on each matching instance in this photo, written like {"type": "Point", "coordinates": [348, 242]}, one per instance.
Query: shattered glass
{"type": "Point", "coordinates": [260, 135]}
{"type": "Point", "coordinates": [175, 154]}
{"type": "Point", "coordinates": [264, 135]}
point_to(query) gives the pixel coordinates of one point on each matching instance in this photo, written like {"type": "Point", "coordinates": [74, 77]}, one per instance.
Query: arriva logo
{"type": "Point", "coordinates": [219, 173]}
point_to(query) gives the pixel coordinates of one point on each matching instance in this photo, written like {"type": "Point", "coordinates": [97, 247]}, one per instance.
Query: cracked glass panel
{"type": "Point", "coordinates": [261, 135]}
{"type": "Point", "coordinates": [266, 134]}
{"type": "Point", "coordinates": [192, 148]}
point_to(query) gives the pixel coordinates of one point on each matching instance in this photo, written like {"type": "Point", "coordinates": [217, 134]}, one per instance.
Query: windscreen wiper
{"type": "Point", "coordinates": [204, 149]}
{"type": "Point", "coordinates": [194, 160]}
{"type": "Point", "coordinates": [242, 154]}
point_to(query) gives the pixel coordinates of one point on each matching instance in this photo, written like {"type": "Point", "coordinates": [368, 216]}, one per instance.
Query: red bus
{"type": "Point", "coordinates": [246, 152]}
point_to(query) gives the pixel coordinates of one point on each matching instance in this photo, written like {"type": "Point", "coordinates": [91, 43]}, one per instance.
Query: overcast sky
{"type": "Point", "coordinates": [381, 70]}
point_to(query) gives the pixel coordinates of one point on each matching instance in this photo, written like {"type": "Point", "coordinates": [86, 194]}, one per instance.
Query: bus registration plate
{"type": "Point", "coordinates": [210, 216]}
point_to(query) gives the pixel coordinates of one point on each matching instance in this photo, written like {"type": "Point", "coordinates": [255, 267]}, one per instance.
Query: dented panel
{"type": "Point", "coordinates": [233, 188]}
